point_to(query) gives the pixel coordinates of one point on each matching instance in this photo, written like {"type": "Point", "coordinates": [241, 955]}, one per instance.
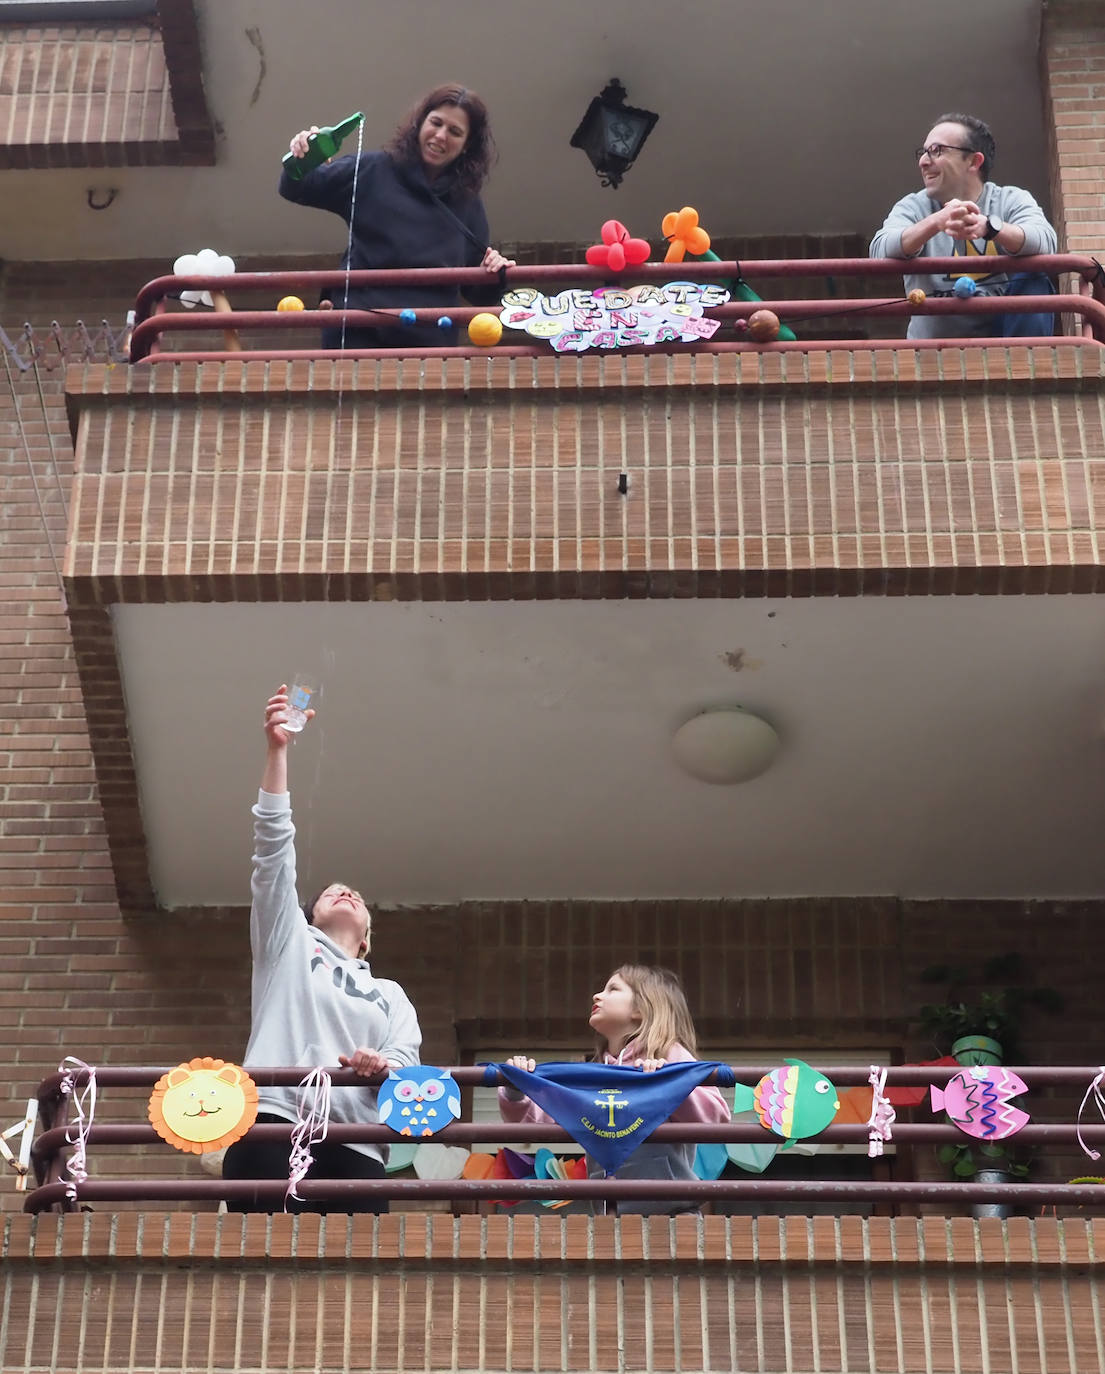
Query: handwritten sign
{"type": "Point", "coordinates": [615, 316]}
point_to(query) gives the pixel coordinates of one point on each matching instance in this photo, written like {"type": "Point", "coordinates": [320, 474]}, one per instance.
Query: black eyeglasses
{"type": "Point", "coordinates": [935, 149]}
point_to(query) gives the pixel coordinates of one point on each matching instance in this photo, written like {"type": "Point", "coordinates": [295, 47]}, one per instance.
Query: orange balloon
{"type": "Point", "coordinates": [684, 235]}
{"type": "Point", "coordinates": [485, 329]}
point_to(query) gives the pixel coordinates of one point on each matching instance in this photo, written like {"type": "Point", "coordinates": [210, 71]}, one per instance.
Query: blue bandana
{"type": "Point", "coordinates": [610, 1109]}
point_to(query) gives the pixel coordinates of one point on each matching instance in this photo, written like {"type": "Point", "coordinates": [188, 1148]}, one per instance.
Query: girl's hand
{"type": "Point", "coordinates": [493, 260]}
{"type": "Point", "coordinates": [298, 145]}
{"type": "Point", "coordinates": [365, 1062]}
{"type": "Point", "coordinates": [650, 1065]}
{"type": "Point", "coordinates": [519, 1061]}
{"type": "Point", "coordinates": [276, 718]}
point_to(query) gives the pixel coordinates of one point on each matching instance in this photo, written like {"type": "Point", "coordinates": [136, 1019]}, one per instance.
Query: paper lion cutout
{"type": "Point", "coordinates": [203, 1105]}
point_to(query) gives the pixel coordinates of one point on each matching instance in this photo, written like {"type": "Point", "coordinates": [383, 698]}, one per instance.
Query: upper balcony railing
{"type": "Point", "coordinates": [66, 1187]}
{"type": "Point", "coordinates": [156, 315]}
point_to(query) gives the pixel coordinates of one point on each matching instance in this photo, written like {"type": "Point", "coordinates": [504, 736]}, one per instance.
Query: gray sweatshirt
{"type": "Point", "coordinates": [311, 1002]}
{"type": "Point", "coordinates": [1009, 203]}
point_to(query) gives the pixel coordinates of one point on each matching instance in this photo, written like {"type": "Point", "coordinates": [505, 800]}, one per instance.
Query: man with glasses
{"type": "Point", "coordinates": [960, 213]}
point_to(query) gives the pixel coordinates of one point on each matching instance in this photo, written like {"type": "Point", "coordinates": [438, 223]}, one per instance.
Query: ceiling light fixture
{"type": "Point", "coordinates": [726, 745]}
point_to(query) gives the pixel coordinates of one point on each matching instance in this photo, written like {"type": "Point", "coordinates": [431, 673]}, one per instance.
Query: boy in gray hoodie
{"type": "Point", "coordinates": [315, 1001]}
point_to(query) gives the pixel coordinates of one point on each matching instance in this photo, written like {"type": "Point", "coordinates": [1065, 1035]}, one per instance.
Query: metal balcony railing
{"type": "Point", "coordinates": [156, 317]}
{"type": "Point", "coordinates": [56, 1191]}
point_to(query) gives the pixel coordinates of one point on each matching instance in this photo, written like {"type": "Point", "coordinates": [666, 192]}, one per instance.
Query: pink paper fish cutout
{"type": "Point", "coordinates": [979, 1101]}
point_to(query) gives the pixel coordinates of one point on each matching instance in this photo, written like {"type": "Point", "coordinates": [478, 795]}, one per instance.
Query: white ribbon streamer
{"type": "Point", "coordinates": [880, 1126]}
{"type": "Point", "coordinates": [84, 1108]}
{"type": "Point", "coordinates": [1093, 1090]}
{"type": "Point", "coordinates": [312, 1107]}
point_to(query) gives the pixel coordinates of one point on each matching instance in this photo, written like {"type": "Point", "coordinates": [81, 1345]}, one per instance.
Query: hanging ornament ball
{"type": "Point", "coordinates": [763, 326]}
{"type": "Point", "coordinates": [444, 322]}
{"type": "Point", "coordinates": [965, 287]}
{"type": "Point", "coordinates": [916, 296]}
{"type": "Point", "coordinates": [740, 326]}
{"type": "Point", "coordinates": [407, 317]}
{"type": "Point", "coordinates": [290, 303]}
{"type": "Point", "coordinates": [485, 330]}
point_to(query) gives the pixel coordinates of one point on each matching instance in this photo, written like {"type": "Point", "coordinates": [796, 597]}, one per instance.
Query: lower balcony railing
{"type": "Point", "coordinates": [62, 1185]}
{"type": "Point", "coordinates": [157, 317]}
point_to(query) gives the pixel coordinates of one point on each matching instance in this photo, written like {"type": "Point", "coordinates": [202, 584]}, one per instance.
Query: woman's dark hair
{"type": "Point", "coordinates": [979, 139]}
{"type": "Point", "coordinates": [473, 165]}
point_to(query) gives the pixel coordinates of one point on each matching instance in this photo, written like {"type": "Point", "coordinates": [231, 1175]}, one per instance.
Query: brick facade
{"type": "Point", "coordinates": [77, 976]}
{"type": "Point", "coordinates": [107, 95]}
{"type": "Point", "coordinates": [801, 1294]}
{"type": "Point", "coordinates": [1073, 74]}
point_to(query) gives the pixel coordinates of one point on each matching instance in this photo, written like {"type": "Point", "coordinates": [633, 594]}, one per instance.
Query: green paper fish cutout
{"type": "Point", "coordinates": [794, 1102]}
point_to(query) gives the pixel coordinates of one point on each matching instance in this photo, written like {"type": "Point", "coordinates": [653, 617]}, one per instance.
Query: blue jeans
{"type": "Point", "coordinates": [1028, 325]}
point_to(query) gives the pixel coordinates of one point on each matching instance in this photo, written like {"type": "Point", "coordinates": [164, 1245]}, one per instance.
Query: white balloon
{"type": "Point", "coordinates": [205, 263]}
{"type": "Point", "coordinates": [214, 264]}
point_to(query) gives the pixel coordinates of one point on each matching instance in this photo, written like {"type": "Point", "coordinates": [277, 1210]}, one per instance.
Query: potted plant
{"type": "Point", "coordinates": [986, 1029]}
{"type": "Point", "coordinates": [980, 1161]}
{"type": "Point", "coordinates": [979, 1031]}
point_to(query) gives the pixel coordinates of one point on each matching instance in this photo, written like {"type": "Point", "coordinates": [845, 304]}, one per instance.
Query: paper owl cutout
{"type": "Point", "coordinates": [979, 1101]}
{"type": "Point", "coordinates": [794, 1102]}
{"type": "Point", "coordinates": [203, 1105]}
{"type": "Point", "coordinates": [418, 1100]}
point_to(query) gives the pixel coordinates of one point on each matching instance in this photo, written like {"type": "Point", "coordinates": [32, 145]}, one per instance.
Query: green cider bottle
{"type": "Point", "coordinates": [320, 147]}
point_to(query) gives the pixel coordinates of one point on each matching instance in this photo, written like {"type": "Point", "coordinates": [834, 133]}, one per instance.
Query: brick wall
{"type": "Point", "coordinates": [1073, 79]}
{"type": "Point", "coordinates": [76, 977]}
{"type": "Point", "coordinates": [241, 1296]}
{"type": "Point", "coordinates": [111, 94]}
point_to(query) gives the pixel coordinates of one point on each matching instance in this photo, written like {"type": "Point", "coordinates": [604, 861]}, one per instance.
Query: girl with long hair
{"type": "Point", "coordinates": [640, 1019]}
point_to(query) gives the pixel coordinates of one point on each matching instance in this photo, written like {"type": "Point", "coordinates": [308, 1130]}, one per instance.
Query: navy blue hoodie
{"type": "Point", "coordinates": [401, 220]}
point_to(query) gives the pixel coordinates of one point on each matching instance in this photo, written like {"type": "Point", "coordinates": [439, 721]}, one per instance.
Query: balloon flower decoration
{"type": "Point", "coordinates": [684, 234]}
{"type": "Point", "coordinates": [687, 239]}
{"type": "Point", "coordinates": [618, 250]}
{"type": "Point", "coordinates": [208, 263]}
{"type": "Point", "coordinates": [205, 263]}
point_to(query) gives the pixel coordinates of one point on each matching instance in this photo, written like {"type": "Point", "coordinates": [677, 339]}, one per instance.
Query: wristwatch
{"type": "Point", "coordinates": [994, 226]}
